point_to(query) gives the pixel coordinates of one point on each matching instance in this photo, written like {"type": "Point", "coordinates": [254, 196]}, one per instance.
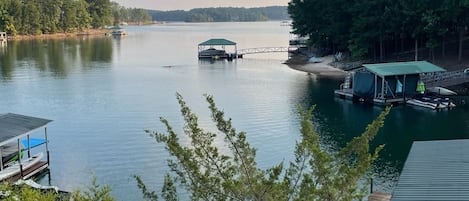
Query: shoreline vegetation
{"type": "Point", "coordinates": [88, 33]}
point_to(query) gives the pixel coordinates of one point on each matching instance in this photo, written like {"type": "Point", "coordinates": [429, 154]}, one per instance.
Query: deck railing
{"type": "Point", "coordinates": [446, 79]}
{"type": "Point", "coordinates": [263, 50]}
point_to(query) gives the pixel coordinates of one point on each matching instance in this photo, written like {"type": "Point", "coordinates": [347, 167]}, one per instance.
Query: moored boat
{"type": "Point", "coordinates": [212, 53]}
{"type": "Point", "coordinates": [119, 32]}
{"type": "Point", "coordinates": [432, 102]}
{"type": "Point", "coordinates": [17, 129]}
{"type": "Point", "coordinates": [441, 91]}
{"type": "Point", "coordinates": [16, 167]}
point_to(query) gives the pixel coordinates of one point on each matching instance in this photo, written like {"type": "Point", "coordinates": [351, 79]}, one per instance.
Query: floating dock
{"type": "Point", "coordinates": [16, 129]}
{"type": "Point", "coordinates": [217, 49]}
{"type": "Point", "coordinates": [385, 83]}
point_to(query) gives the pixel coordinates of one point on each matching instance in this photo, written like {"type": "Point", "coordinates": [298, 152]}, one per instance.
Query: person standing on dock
{"type": "Point", "coordinates": [420, 87]}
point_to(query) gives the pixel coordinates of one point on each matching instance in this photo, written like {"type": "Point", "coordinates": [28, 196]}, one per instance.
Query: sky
{"type": "Point", "coordinates": [189, 4]}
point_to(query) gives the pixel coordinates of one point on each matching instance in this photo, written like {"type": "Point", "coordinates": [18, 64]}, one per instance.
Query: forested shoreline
{"type": "Point", "coordinates": [64, 16]}
{"type": "Point", "coordinates": [60, 17]}
{"type": "Point", "coordinates": [383, 28]}
{"type": "Point", "coordinates": [222, 14]}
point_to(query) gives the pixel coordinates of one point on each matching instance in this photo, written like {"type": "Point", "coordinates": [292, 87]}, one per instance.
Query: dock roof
{"type": "Point", "coordinates": [15, 126]}
{"type": "Point", "coordinates": [435, 170]}
{"type": "Point", "coordinates": [402, 68]}
{"type": "Point", "coordinates": [217, 41]}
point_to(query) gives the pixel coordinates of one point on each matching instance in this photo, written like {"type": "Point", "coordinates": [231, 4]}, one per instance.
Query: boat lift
{"type": "Point", "coordinates": [14, 128]}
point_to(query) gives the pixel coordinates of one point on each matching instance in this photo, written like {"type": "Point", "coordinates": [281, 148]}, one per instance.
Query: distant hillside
{"type": "Point", "coordinates": [228, 14]}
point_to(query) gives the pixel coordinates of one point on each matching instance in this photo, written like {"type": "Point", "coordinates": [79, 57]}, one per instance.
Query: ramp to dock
{"type": "Point", "coordinates": [379, 196]}
{"type": "Point", "coordinates": [446, 79]}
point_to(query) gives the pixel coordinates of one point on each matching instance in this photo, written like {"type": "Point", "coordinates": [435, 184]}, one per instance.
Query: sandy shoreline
{"type": "Point", "coordinates": [321, 69]}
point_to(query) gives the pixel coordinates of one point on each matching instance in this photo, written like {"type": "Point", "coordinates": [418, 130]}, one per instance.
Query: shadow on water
{"type": "Point", "coordinates": [55, 55]}
{"type": "Point", "coordinates": [338, 121]}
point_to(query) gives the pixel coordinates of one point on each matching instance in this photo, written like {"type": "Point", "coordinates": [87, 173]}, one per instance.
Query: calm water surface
{"type": "Point", "coordinates": [103, 92]}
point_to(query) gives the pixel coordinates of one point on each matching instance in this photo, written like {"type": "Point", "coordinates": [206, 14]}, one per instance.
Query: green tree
{"type": "Point", "coordinates": [209, 174]}
{"type": "Point", "coordinates": [100, 12]}
{"type": "Point", "coordinates": [31, 19]}
{"type": "Point", "coordinates": [50, 15]}
{"type": "Point", "coordinates": [84, 18]}
{"type": "Point", "coordinates": [462, 24]}
{"type": "Point", "coordinates": [69, 21]}
{"type": "Point", "coordinates": [95, 192]}
{"type": "Point", "coordinates": [16, 13]}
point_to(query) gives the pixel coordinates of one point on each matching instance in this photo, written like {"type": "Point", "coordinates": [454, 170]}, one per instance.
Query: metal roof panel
{"type": "Point", "coordinates": [403, 68]}
{"type": "Point", "coordinates": [217, 41]}
{"type": "Point", "coordinates": [435, 170]}
{"type": "Point", "coordinates": [13, 126]}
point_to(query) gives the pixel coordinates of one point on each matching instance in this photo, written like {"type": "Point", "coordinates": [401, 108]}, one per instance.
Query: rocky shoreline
{"type": "Point", "coordinates": [89, 32]}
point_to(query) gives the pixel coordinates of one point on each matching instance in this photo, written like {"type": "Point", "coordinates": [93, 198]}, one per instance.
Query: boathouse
{"type": "Point", "coordinates": [385, 83]}
{"type": "Point", "coordinates": [15, 139]}
{"type": "Point", "coordinates": [217, 49]}
{"type": "Point", "coordinates": [435, 170]}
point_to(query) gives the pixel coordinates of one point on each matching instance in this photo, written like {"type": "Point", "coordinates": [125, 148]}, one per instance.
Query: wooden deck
{"type": "Point", "coordinates": [344, 93]}
{"type": "Point", "coordinates": [31, 171]}
{"type": "Point", "coordinates": [348, 94]}
{"type": "Point", "coordinates": [379, 196]}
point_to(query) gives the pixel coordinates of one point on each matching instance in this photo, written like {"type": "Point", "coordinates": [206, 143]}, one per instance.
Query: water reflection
{"type": "Point", "coordinates": [57, 56]}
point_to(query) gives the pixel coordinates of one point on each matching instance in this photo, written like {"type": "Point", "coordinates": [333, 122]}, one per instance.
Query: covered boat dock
{"type": "Point", "coordinates": [216, 48]}
{"type": "Point", "coordinates": [17, 129]}
{"type": "Point", "coordinates": [435, 170]}
{"type": "Point", "coordinates": [385, 83]}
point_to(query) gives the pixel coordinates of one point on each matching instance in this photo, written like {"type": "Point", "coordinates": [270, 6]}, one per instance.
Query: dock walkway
{"type": "Point", "coordinates": [446, 79]}
{"type": "Point", "coordinates": [379, 196]}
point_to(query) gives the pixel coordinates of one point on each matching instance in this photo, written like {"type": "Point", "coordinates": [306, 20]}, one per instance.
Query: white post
{"type": "Point", "coordinates": [1, 160]}
{"type": "Point", "coordinates": [382, 87]}
{"type": "Point", "coordinates": [376, 86]}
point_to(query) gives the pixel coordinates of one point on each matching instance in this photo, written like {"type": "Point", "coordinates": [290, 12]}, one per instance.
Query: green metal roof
{"type": "Point", "coordinates": [435, 170]}
{"type": "Point", "coordinates": [217, 41]}
{"type": "Point", "coordinates": [403, 68]}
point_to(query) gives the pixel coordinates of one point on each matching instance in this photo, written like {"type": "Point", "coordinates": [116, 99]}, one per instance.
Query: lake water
{"type": "Point", "coordinates": [102, 93]}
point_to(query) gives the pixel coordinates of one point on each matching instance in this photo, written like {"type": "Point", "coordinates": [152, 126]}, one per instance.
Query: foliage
{"type": "Point", "coordinates": [53, 16]}
{"type": "Point", "coordinates": [367, 27]}
{"type": "Point", "coordinates": [222, 14]}
{"type": "Point", "coordinates": [25, 193]}
{"type": "Point", "coordinates": [95, 192]}
{"type": "Point", "coordinates": [209, 174]}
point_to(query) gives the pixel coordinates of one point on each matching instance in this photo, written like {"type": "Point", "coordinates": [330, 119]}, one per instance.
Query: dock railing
{"type": "Point", "coordinates": [445, 79]}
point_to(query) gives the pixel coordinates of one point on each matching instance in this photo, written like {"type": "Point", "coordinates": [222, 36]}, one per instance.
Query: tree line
{"type": "Point", "coordinates": [222, 14]}
{"type": "Point", "coordinates": [52, 16]}
{"type": "Point", "coordinates": [381, 28]}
